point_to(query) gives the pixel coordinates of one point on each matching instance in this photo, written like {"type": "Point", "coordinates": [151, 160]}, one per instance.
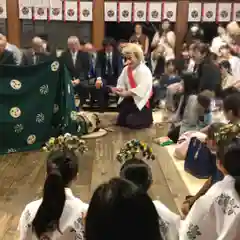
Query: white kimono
{"type": "Point", "coordinates": [169, 222]}
{"type": "Point", "coordinates": [214, 216]}
{"type": "Point", "coordinates": [71, 221]}
{"type": "Point", "coordinates": [143, 79]}
{"type": "Point", "coordinates": [235, 66]}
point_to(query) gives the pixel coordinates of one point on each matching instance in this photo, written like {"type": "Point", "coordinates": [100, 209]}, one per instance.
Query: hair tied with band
{"type": "Point", "coordinates": [66, 142]}
{"type": "Point", "coordinates": [133, 147]}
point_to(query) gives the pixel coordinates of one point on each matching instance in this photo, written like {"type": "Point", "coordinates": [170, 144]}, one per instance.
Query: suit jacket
{"type": "Point", "coordinates": [82, 66]}
{"type": "Point", "coordinates": [27, 59]}
{"type": "Point", "coordinates": [101, 65]}
{"type": "Point", "coordinates": [7, 58]}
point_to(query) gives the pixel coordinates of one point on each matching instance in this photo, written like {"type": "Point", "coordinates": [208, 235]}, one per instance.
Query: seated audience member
{"type": "Point", "coordinates": [216, 214]}
{"type": "Point", "coordinates": [197, 114]}
{"type": "Point", "coordinates": [59, 214]}
{"type": "Point", "coordinates": [139, 172]}
{"type": "Point", "coordinates": [6, 57]}
{"type": "Point", "coordinates": [36, 54]}
{"type": "Point", "coordinates": [118, 210]}
{"type": "Point", "coordinates": [169, 77]}
{"type": "Point", "coordinates": [108, 69]}
{"type": "Point", "coordinates": [226, 72]}
{"type": "Point", "coordinates": [134, 88]}
{"type": "Point", "coordinates": [194, 35]}
{"type": "Point", "coordinates": [158, 61]}
{"type": "Point", "coordinates": [233, 60]}
{"type": "Point", "coordinates": [78, 65]}
{"type": "Point", "coordinates": [140, 38]}
{"type": "Point", "coordinates": [17, 54]}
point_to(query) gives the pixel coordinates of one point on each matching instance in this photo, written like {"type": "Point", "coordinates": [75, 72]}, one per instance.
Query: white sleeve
{"type": "Point", "coordinates": [144, 83]}
{"type": "Point", "coordinates": [171, 38]}
{"type": "Point", "coordinates": [155, 39]}
{"type": "Point", "coordinates": [23, 224]}
{"type": "Point", "coordinates": [200, 222]}
{"type": "Point", "coordinates": [121, 79]}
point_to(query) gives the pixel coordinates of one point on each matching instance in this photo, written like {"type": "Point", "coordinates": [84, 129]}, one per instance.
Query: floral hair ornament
{"type": "Point", "coordinates": [65, 142]}
{"type": "Point", "coordinates": [133, 147]}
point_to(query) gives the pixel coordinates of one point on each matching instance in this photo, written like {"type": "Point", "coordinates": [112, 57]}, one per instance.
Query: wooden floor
{"type": "Point", "coordinates": [22, 175]}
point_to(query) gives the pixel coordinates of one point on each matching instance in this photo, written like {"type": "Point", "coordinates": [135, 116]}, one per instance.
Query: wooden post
{"type": "Point", "coordinates": [13, 22]}
{"type": "Point", "coordinates": [98, 28]}
{"type": "Point", "coordinates": [181, 25]}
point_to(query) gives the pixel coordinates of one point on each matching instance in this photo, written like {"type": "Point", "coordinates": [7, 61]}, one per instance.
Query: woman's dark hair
{"type": "Point", "coordinates": [62, 168]}
{"type": "Point", "coordinates": [232, 103]}
{"type": "Point", "coordinates": [204, 99]}
{"type": "Point", "coordinates": [202, 48]}
{"type": "Point", "coordinates": [109, 42]}
{"type": "Point", "coordinates": [228, 91]}
{"type": "Point", "coordinates": [119, 210]}
{"type": "Point", "coordinates": [229, 158]}
{"type": "Point", "coordinates": [138, 172]}
{"type": "Point", "coordinates": [226, 65]}
{"type": "Point", "coordinates": [160, 31]}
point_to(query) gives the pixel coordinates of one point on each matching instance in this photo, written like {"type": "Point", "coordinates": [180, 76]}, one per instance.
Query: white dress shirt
{"type": "Point", "coordinates": [71, 221]}
{"type": "Point", "coordinates": [74, 57]}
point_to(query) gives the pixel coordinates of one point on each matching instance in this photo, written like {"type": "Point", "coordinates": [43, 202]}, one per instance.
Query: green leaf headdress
{"type": "Point", "coordinates": [65, 142]}
{"type": "Point", "coordinates": [133, 147]}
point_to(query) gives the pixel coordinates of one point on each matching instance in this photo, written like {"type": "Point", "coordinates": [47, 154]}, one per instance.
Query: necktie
{"type": "Point", "coordinates": [109, 65]}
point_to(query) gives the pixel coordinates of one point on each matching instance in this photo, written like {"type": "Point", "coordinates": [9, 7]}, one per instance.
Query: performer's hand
{"type": "Point", "coordinates": [123, 93]}
{"type": "Point", "coordinates": [98, 83]}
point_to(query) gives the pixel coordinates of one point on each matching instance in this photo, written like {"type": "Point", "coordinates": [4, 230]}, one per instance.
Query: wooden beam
{"type": "Point", "coordinates": [181, 25]}
{"type": "Point", "coordinates": [13, 22]}
{"type": "Point", "coordinates": [98, 28]}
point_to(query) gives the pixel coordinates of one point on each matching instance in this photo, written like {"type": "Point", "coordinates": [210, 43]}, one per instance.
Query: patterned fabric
{"type": "Point", "coordinates": [35, 103]}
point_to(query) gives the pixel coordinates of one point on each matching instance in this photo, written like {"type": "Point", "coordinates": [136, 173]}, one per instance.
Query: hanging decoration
{"type": "Point", "coordinates": [70, 11]}
{"type": "Point", "coordinates": [170, 11]}
{"type": "Point", "coordinates": [25, 9]}
{"type": "Point", "coordinates": [133, 12]}
{"type": "Point", "coordinates": [236, 12]}
{"type": "Point", "coordinates": [155, 12]}
{"type": "Point", "coordinates": [194, 12]}
{"type": "Point", "coordinates": [118, 12]}
{"type": "Point", "coordinates": [110, 11]}
{"type": "Point", "coordinates": [86, 11]}
{"type": "Point", "coordinates": [56, 10]}
{"type": "Point", "coordinates": [78, 10]}
{"type": "Point", "coordinates": [209, 12]}
{"type": "Point", "coordinates": [3, 9]}
{"type": "Point", "coordinates": [40, 9]}
{"type": "Point", "coordinates": [140, 12]}
{"type": "Point", "coordinates": [224, 12]}
{"type": "Point", "coordinates": [147, 11]}
{"type": "Point", "coordinates": [125, 10]}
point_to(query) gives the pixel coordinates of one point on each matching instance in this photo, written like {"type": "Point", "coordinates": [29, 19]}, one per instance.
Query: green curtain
{"type": "Point", "coordinates": [36, 102]}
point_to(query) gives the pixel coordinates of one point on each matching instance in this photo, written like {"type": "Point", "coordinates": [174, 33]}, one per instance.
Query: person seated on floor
{"type": "Point", "coordinates": [108, 69]}
{"type": "Point", "coordinates": [169, 77]}
{"type": "Point", "coordinates": [216, 214]}
{"type": "Point", "coordinates": [59, 214]}
{"type": "Point", "coordinates": [226, 73]}
{"type": "Point", "coordinates": [118, 210]}
{"type": "Point", "coordinates": [139, 172]}
{"type": "Point", "coordinates": [158, 61]}
{"type": "Point", "coordinates": [134, 88]}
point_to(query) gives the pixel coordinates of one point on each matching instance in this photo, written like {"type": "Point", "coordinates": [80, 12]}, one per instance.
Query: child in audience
{"type": "Point", "coordinates": [226, 72]}
{"type": "Point", "coordinates": [138, 171]}
{"type": "Point", "coordinates": [118, 210]}
{"type": "Point", "coordinates": [59, 214]}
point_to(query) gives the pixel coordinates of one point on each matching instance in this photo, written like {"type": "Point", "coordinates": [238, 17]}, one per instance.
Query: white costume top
{"type": "Point", "coordinates": [217, 42]}
{"type": "Point", "coordinates": [143, 79]}
{"type": "Point", "coordinates": [71, 221]}
{"type": "Point", "coordinates": [215, 215]}
{"type": "Point", "coordinates": [169, 222]}
{"type": "Point", "coordinates": [235, 66]}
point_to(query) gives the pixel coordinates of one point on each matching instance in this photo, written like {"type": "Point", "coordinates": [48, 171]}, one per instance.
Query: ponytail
{"type": "Point", "coordinates": [51, 208]}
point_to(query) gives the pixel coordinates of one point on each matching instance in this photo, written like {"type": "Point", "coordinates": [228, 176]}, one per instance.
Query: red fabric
{"type": "Point", "coordinates": [133, 83]}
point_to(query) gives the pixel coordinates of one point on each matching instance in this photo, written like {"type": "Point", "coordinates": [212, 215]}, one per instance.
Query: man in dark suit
{"type": "Point", "coordinates": [108, 68]}
{"type": "Point", "coordinates": [6, 57]}
{"type": "Point", "coordinates": [78, 65]}
{"type": "Point", "coordinates": [36, 54]}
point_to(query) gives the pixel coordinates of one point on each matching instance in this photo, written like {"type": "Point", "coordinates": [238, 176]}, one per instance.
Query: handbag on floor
{"type": "Point", "coordinates": [199, 162]}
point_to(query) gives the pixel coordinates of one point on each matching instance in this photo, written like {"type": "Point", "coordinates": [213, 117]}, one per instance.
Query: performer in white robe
{"type": "Point", "coordinates": [134, 88]}
{"type": "Point", "coordinates": [216, 215]}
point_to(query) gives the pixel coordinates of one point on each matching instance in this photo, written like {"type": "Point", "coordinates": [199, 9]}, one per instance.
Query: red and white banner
{"type": "Point", "coordinates": [25, 9]}
{"type": "Point", "coordinates": [236, 12]}
{"type": "Point", "coordinates": [170, 11]}
{"type": "Point", "coordinates": [155, 12]}
{"type": "Point", "coordinates": [110, 11]}
{"type": "Point", "coordinates": [195, 12]}
{"type": "Point", "coordinates": [85, 11]}
{"type": "Point", "coordinates": [3, 9]}
{"type": "Point", "coordinates": [140, 11]}
{"type": "Point", "coordinates": [209, 12]}
{"type": "Point", "coordinates": [40, 9]}
{"type": "Point", "coordinates": [125, 12]}
{"type": "Point", "coordinates": [55, 10]}
{"type": "Point", "coordinates": [224, 12]}
{"type": "Point", "coordinates": [70, 11]}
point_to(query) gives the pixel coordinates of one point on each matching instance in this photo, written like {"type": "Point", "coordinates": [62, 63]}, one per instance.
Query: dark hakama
{"type": "Point", "coordinates": [131, 117]}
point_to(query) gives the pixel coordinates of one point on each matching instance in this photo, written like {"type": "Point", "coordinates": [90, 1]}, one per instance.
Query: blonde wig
{"type": "Point", "coordinates": [135, 49]}
{"type": "Point", "coordinates": [233, 28]}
